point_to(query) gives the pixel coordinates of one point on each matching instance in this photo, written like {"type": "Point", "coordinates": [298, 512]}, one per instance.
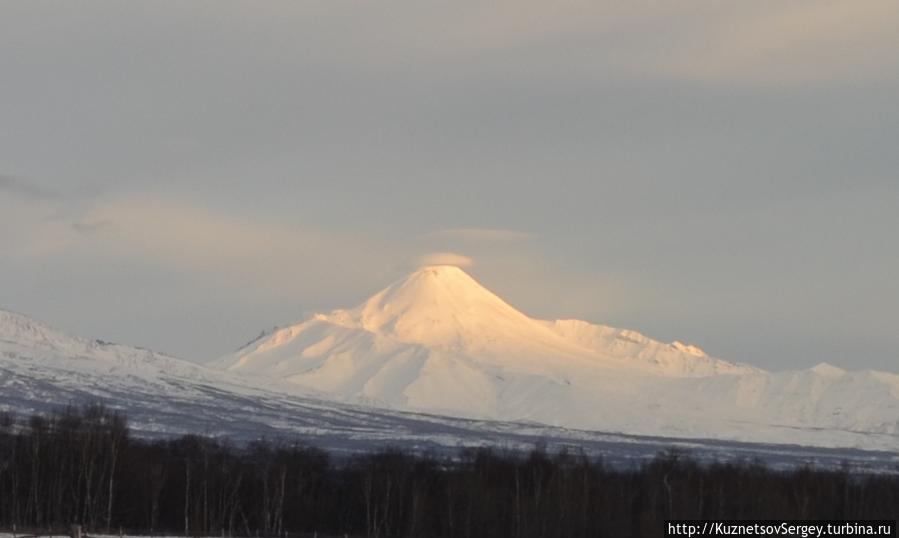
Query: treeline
{"type": "Point", "coordinates": [79, 465]}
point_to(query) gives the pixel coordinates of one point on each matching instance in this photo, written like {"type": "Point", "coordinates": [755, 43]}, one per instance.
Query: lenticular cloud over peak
{"type": "Point", "coordinates": [445, 258]}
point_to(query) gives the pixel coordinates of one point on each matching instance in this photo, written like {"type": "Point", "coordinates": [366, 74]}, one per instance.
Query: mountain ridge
{"type": "Point", "coordinates": [161, 401]}
{"type": "Point", "coordinates": [438, 341]}
{"type": "Point", "coordinates": [41, 367]}
{"type": "Point", "coordinates": [444, 307]}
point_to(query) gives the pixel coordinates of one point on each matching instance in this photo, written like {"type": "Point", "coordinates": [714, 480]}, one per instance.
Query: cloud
{"type": "Point", "coordinates": [262, 254]}
{"type": "Point", "coordinates": [777, 43]}
{"type": "Point", "coordinates": [90, 227]}
{"type": "Point", "coordinates": [445, 258]}
{"type": "Point", "coordinates": [24, 188]}
{"type": "Point", "coordinates": [491, 235]}
{"type": "Point", "coordinates": [36, 220]}
{"type": "Point", "coordinates": [761, 43]}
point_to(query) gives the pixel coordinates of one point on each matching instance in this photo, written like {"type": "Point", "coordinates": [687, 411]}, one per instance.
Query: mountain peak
{"type": "Point", "coordinates": [433, 283]}
{"type": "Point", "coordinates": [826, 369]}
{"type": "Point", "coordinates": [444, 276]}
{"type": "Point", "coordinates": [436, 305]}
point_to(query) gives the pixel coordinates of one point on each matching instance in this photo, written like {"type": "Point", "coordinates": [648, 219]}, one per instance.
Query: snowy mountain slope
{"type": "Point", "coordinates": [42, 369]}
{"type": "Point", "coordinates": [438, 341]}
{"type": "Point", "coordinates": [39, 346]}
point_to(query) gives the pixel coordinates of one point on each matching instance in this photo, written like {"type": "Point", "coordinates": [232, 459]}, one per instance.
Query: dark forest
{"type": "Point", "coordinates": [81, 466]}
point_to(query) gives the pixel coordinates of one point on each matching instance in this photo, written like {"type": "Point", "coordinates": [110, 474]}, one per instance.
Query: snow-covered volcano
{"type": "Point", "coordinates": [403, 349]}
{"type": "Point", "coordinates": [438, 341]}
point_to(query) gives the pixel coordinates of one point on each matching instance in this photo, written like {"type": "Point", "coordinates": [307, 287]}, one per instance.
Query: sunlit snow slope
{"type": "Point", "coordinates": [42, 369]}
{"type": "Point", "coordinates": [438, 341]}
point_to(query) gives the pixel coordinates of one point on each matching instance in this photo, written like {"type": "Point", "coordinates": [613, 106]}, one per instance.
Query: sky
{"type": "Point", "coordinates": [181, 175]}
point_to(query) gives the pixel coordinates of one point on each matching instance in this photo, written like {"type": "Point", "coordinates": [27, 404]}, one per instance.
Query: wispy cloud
{"type": "Point", "coordinates": [90, 227]}
{"type": "Point", "coordinates": [25, 188]}
{"type": "Point", "coordinates": [781, 43]}
{"type": "Point", "coordinates": [268, 254]}
{"type": "Point", "coordinates": [760, 43]}
{"type": "Point", "coordinates": [491, 235]}
{"type": "Point", "coordinates": [47, 219]}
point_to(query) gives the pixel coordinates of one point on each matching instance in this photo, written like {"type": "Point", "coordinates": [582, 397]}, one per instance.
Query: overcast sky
{"type": "Point", "coordinates": [181, 175]}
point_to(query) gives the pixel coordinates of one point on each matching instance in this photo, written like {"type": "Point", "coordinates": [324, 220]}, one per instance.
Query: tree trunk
{"type": "Point", "coordinates": [186, 498]}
